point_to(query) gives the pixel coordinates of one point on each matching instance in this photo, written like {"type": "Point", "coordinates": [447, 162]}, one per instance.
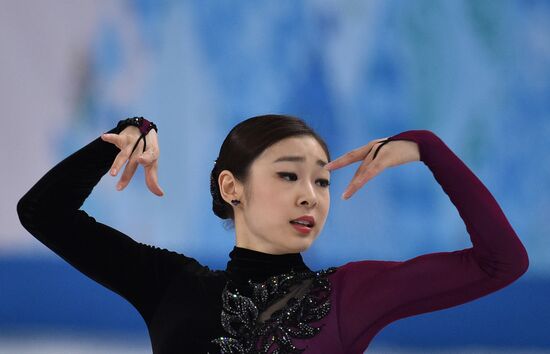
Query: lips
{"type": "Point", "coordinates": [305, 220]}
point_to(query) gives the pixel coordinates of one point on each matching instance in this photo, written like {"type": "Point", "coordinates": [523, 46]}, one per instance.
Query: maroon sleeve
{"type": "Point", "coordinates": [372, 294]}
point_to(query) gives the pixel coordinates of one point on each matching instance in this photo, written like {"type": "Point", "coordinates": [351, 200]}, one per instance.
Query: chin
{"type": "Point", "coordinates": [302, 246]}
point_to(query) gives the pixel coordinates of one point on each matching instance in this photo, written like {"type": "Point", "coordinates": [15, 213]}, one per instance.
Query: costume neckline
{"type": "Point", "coordinates": [245, 264]}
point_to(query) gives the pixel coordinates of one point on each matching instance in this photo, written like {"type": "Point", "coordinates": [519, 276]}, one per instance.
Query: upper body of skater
{"type": "Point", "coordinates": [270, 171]}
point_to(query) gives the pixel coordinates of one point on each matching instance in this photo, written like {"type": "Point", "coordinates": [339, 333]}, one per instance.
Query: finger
{"type": "Point", "coordinates": [366, 171]}
{"type": "Point", "coordinates": [120, 159]}
{"type": "Point", "coordinates": [112, 138]}
{"type": "Point", "coordinates": [148, 157]}
{"type": "Point", "coordinates": [357, 180]}
{"type": "Point", "coordinates": [151, 179]}
{"type": "Point", "coordinates": [152, 152]}
{"type": "Point", "coordinates": [128, 173]}
{"type": "Point", "coordinates": [352, 156]}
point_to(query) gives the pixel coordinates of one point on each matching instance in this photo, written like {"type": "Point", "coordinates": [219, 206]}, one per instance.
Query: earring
{"type": "Point", "coordinates": [235, 201]}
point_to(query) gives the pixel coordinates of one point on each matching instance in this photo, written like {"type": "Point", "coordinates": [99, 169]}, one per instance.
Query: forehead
{"type": "Point", "coordinates": [304, 145]}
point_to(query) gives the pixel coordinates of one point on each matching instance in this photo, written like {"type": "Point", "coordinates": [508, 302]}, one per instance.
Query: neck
{"type": "Point", "coordinates": [247, 264]}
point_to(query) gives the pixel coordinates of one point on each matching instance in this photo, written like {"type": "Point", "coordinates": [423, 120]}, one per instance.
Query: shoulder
{"type": "Point", "coordinates": [363, 269]}
{"type": "Point", "coordinates": [174, 262]}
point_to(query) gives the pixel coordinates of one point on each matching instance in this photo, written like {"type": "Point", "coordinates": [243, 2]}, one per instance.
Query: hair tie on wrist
{"type": "Point", "coordinates": [142, 124]}
{"type": "Point", "coordinates": [146, 126]}
{"type": "Point", "coordinates": [384, 142]}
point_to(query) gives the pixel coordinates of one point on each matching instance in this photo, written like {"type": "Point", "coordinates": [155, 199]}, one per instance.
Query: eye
{"type": "Point", "coordinates": [287, 174]}
{"type": "Point", "coordinates": [325, 182]}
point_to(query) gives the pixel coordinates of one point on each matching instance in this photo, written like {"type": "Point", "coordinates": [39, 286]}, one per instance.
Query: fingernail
{"type": "Point", "coordinates": [344, 196]}
{"type": "Point", "coordinates": [118, 186]}
{"type": "Point", "coordinates": [113, 171]}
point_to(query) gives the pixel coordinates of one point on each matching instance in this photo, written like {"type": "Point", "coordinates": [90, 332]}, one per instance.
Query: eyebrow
{"type": "Point", "coordinates": [298, 159]}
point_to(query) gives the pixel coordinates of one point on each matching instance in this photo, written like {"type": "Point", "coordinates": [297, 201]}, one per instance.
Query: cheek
{"type": "Point", "coordinates": [325, 205]}
{"type": "Point", "coordinates": [269, 200]}
{"type": "Point", "coordinates": [275, 198]}
{"type": "Point", "coordinates": [271, 190]}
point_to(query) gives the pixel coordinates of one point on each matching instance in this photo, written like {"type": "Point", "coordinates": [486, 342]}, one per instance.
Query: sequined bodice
{"type": "Point", "coordinates": [278, 309]}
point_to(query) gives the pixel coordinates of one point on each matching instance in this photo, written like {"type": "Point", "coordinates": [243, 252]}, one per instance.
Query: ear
{"type": "Point", "coordinates": [230, 187]}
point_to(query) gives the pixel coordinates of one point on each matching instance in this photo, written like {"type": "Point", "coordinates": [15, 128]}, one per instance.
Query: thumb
{"type": "Point", "coordinates": [111, 138]}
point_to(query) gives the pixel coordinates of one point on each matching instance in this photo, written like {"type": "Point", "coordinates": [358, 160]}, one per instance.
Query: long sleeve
{"type": "Point", "coordinates": [373, 294]}
{"type": "Point", "coordinates": [50, 212]}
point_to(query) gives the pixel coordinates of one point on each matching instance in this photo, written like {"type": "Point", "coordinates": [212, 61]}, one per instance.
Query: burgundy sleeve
{"type": "Point", "coordinates": [372, 294]}
{"type": "Point", "coordinates": [50, 212]}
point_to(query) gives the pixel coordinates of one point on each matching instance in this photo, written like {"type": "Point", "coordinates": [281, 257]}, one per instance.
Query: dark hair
{"type": "Point", "coordinates": [244, 143]}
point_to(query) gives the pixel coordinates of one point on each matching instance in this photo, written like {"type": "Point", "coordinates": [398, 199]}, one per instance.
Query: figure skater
{"type": "Point", "coordinates": [271, 182]}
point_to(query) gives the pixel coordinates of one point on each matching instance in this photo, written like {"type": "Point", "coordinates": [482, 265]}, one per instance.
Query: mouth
{"type": "Point", "coordinates": [303, 224]}
{"type": "Point", "coordinates": [301, 228]}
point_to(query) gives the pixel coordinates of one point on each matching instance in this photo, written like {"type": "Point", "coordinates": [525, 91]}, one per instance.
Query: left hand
{"type": "Point", "coordinates": [393, 153]}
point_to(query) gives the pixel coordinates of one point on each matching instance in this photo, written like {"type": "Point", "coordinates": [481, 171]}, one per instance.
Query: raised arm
{"type": "Point", "coordinates": [375, 293]}
{"type": "Point", "coordinates": [50, 212]}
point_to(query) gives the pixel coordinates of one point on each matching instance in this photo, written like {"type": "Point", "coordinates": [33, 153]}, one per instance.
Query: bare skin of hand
{"type": "Point", "coordinates": [393, 153]}
{"type": "Point", "coordinates": [149, 158]}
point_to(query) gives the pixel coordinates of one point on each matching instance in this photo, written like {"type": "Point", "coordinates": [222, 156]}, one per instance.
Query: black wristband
{"type": "Point", "coordinates": [144, 126]}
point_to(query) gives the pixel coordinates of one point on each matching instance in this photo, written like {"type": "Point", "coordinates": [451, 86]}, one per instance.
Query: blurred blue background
{"type": "Point", "coordinates": [476, 73]}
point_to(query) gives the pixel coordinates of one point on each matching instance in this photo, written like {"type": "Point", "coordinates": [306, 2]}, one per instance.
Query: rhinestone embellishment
{"type": "Point", "coordinates": [248, 334]}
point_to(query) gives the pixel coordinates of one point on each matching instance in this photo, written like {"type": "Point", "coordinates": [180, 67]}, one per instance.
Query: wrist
{"type": "Point", "coordinates": [141, 123]}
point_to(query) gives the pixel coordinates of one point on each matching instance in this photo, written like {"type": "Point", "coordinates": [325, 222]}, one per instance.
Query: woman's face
{"type": "Point", "coordinates": [286, 181]}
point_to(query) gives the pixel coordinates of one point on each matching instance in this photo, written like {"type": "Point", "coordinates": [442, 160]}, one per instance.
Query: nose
{"type": "Point", "coordinates": [308, 196]}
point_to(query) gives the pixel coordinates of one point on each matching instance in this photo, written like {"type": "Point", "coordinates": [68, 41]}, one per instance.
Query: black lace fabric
{"type": "Point", "coordinates": [276, 310]}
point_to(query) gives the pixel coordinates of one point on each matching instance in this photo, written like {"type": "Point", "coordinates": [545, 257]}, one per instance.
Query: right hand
{"type": "Point", "coordinates": [392, 153]}
{"type": "Point", "coordinates": [125, 141]}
